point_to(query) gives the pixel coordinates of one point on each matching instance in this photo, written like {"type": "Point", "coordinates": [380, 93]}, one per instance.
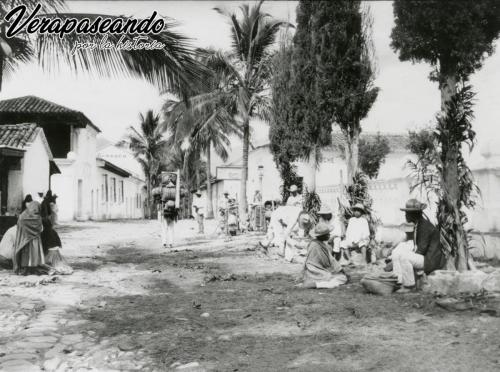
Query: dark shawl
{"type": "Point", "coordinates": [29, 227]}
{"type": "Point", "coordinates": [320, 264]}
{"type": "Point", "coordinates": [429, 245]}
{"type": "Point", "coordinates": [50, 238]}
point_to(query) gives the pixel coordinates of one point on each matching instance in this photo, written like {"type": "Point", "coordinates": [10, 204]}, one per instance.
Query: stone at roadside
{"type": "Point", "coordinates": [128, 345]}
{"type": "Point", "coordinates": [224, 338]}
{"type": "Point", "coordinates": [19, 366]}
{"type": "Point", "coordinates": [56, 351]}
{"type": "Point", "coordinates": [51, 364]}
{"type": "Point", "coordinates": [71, 338]}
{"type": "Point", "coordinates": [190, 367]}
{"type": "Point", "coordinates": [19, 356]}
{"type": "Point", "coordinates": [492, 282]}
{"type": "Point", "coordinates": [205, 315]}
{"type": "Point", "coordinates": [447, 282]}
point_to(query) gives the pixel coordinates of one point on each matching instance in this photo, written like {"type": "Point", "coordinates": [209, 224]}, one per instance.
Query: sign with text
{"type": "Point", "coordinates": [228, 173]}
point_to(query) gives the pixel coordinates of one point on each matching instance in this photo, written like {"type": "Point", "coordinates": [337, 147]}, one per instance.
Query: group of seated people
{"type": "Point", "coordinates": [32, 246]}
{"type": "Point", "coordinates": [328, 247]}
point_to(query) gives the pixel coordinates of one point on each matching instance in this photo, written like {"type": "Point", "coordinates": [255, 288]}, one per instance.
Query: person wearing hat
{"type": "Point", "coordinates": [428, 254]}
{"type": "Point", "coordinates": [295, 199]}
{"type": "Point", "coordinates": [199, 204]}
{"type": "Point", "coordinates": [325, 215]}
{"type": "Point", "coordinates": [357, 235]}
{"type": "Point", "coordinates": [320, 269]}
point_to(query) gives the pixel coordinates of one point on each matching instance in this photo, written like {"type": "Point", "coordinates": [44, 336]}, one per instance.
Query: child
{"type": "Point", "coordinates": [326, 216]}
{"type": "Point", "coordinates": [232, 223]}
{"type": "Point", "coordinates": [357, 235]}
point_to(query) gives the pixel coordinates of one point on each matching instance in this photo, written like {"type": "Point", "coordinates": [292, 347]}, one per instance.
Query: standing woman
{"type": "Point", "coordinates": [26, 200]}
{"type": "Point", "coordinates": [28, 251]}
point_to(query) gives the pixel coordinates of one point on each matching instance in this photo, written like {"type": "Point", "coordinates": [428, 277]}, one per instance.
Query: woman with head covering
{"type": "Point", "coordinates": [28, 252]}
{"type": "Point", "coordinates": [26, 200]}
{"type": "Point", "coordinates": [321, 270]}
{"type": "Point", "coordinates": [50, 238]}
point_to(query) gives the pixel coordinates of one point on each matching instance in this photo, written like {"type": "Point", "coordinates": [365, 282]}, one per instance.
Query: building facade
{"type": "Point", "coordinates": [25, 165]}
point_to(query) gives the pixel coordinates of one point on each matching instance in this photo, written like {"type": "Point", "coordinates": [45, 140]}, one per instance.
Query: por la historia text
{"type": "Point", "coordinates": [137, 43]}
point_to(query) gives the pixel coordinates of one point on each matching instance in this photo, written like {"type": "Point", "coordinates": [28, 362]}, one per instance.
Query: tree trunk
{"type": "Point", "coordinates": [242, 208]}
{"type": "Point", "coordinates": [451, 183]}
{"type": "Point", "coordinates": [148, 196]}
{"type": "Point", "coordinates": [210, 206]}
{"type": "Point", "coordinates": [352, 154]}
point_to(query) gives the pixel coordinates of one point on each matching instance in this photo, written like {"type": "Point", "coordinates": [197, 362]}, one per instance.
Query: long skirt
{"type": "Point", "coordinates": [50, 238]}
{"type": "Point", "coordinates": [32, 254]}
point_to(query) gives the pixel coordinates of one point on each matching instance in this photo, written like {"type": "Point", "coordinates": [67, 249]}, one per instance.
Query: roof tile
{"type": "Point", "coordinates": [17, 135]}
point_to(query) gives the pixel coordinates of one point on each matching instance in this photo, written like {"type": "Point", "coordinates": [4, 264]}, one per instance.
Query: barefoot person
{"type": "Point", "coordinates": [428, 255]}
{"type": "Point", "coordinates": [321, 270]}
{"type": "Point", "coordinates": [28, 254]}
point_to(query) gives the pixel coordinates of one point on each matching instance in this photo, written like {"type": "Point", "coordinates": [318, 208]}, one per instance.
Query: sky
{"type": "Point", "coordinates": [407, 98]}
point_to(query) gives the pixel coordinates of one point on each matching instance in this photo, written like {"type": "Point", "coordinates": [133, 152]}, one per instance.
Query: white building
{"type": "Point", "coordinates": [72, 139]}
{"type": "Point", "coordinates": [121, 184]}
{"type": "Point", "coordinates": [389, 191]}
{"type": "Point", "coordinates": [25, 165]}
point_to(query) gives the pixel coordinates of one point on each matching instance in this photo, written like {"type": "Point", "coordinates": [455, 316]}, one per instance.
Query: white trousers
{"type": "Point", "coordinates": [404, 261]}
{"type": "Point", "coordinates": [167, 231]}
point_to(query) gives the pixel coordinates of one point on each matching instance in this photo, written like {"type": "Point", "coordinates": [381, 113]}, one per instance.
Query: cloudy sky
{"type": "Point", "coordinates": [407, 98]}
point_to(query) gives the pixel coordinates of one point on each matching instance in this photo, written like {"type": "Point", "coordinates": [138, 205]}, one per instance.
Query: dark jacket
{"type": "Point", "coordinates": [429, 245]}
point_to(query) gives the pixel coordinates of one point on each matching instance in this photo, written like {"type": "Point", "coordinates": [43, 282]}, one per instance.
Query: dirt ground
{"type": "Point", "coordinates": [219, 306]}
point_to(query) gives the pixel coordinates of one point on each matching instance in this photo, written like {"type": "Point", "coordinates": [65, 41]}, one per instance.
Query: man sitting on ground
{"type": "Point", "coordinates": [428, 255]}
{"type": "Point", "coordinates": [325, 215]}
{"type": "Point", "coordinates": [357, 235]}
{"type": "Point", "coordinates": [321, 270]}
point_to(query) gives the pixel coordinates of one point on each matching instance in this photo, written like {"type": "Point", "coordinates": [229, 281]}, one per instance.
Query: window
{"type": "Point", "coordinates": [113, 189]}
{"type": "Point", "coordinates": [106, 189]}
{"type": "Point", "coordinates": [122, 193]}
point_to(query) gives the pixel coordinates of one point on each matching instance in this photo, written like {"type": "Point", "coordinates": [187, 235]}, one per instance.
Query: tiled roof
{"type": "Point", "coordinates": [17, 135]}
{"type": "Point", "coordinates": [397, 141]}
{"type": "Point", "coordinates": [38, 106]}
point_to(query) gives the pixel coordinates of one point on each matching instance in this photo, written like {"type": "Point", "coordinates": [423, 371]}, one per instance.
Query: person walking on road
{"type": "Point", "coordinates": [199, 211]}
{"type": "Point", "coordinates": [168, 218]}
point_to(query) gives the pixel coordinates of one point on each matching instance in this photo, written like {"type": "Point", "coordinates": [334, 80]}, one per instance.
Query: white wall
{"type": "Point", "coordinates": [33, 176]}
{"type": "Point", "coordinates": [80, 166]}
{"type": "Point", "coordinates": [131, 206]}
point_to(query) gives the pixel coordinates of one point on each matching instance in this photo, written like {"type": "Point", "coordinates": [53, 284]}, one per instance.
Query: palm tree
{"type": "Point", "coordinates": [208, 127]}
{"type": "Point", "coordinates": [170, 68]}
{"type": "Point", "coordinates": [248, 66]}
{"type": "Point", "coordinates": [147, 145]}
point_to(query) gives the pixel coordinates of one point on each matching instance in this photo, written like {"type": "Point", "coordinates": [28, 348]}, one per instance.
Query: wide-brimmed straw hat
{"type": "Point", "coordinates": [407, 227]}
{"type": "Point", "coordinates": [198, 192]}
{"type": "Point", "coordinates": [413, 205]}
{"type": "Point", "coordinates": [170, 203]}
{"type": "Point", "coordinates": [293, 188]}
{"type": "Point", "coordinates": [321, 229]}
{"type": "Point", "coordinates": [359, 207]}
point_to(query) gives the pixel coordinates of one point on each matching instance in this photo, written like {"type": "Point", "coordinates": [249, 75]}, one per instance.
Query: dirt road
{"type": "Point", "coordinates": [219, 306]}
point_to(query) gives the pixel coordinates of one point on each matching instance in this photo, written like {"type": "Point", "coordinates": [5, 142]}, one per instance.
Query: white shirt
{"type": "Point", "coordinates": [200, 203]}
{"type": "Point", "coordinates": [357, 231]}
{"type": "Point", "coordinates": [294, 200]}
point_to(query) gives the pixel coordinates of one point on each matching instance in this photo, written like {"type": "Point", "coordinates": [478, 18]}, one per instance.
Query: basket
{"type": "Point", "coordinates": [379, 285]}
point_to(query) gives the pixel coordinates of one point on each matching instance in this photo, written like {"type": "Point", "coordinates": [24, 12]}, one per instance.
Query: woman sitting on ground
{"type": "Point", "coordinates": [321, 270]}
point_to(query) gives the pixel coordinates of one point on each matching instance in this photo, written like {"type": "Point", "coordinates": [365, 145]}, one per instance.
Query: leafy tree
{"type": "Point", "coordinates": [147, 145]}
{"type": "Point", "coordinates": [372, 153]}
{"type": "Point", "coordinates": [171, 68]}
{"type": "Point", "coordinates": [346, 72]}
{"type": "Point", "coordinates": [248, 67]}
{"type": "Point", "coordinates": [207, 127]}
{"type": "Point", "coordinates": [454, 38]}
{"type": "Point", "coordinates": [285, 144]}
